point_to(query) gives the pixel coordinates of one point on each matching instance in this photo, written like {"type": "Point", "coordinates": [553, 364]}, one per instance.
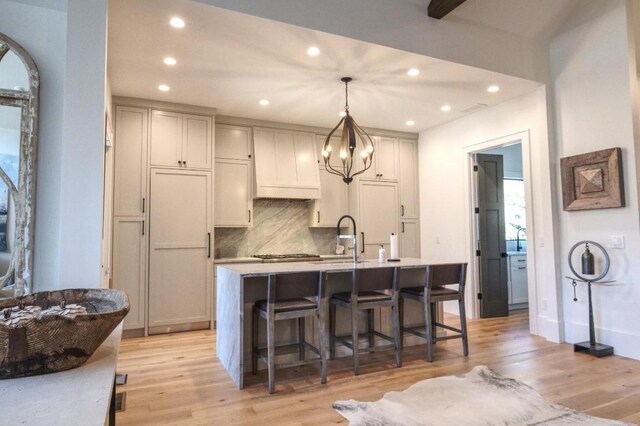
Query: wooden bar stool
{"type": "Point", "coordinates": [371, 288]}
{"type": "Point", "coordinates": [430, 293]}
{"type": "Point", "coordinates": [290, 296]}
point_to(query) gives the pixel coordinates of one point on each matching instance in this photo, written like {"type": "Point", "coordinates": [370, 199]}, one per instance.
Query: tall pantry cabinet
{"type": "Point", "coordinates": [163, 215]}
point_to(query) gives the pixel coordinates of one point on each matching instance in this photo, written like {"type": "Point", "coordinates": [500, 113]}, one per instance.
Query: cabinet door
{"type": "Point", "coordinates": [372, 172]}
{"type": "Point", "coordinates": [180, 269]}
{"type": "Point", "coordinates": [233, 200]}
{"type": "Point", "coordinates": [408, 179]}
{"type": "Point", "coordinates": [387, 158]}
{"type": "Point", "coordinates": [409, 239]}
{"type": "Point", "coordinates": [233, 142]}
{"type": "Point", "coordinates": [519, 290]}
{"type": "Point", "coordinates": [130, 176]}
{"type": "Point", "coordinates": [130, 267]}
{"type": "Point", "coordinates": [333, 202]}
{"type": "Point", "coordinates": [306, 159]}
{"type": "Point", "coordinates": [166, 138]}
{"type": "Point", "coordinates": [378, 215]}
{"type": "Point", "coordinates": [196, 141]}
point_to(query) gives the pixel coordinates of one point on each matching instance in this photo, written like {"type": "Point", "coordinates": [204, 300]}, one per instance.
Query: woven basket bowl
{"type": "Point", "coordinates": [56, 343]}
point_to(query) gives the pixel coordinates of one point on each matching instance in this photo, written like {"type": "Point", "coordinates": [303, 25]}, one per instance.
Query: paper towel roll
{"type": "Point", "coordinates": [394, 247]}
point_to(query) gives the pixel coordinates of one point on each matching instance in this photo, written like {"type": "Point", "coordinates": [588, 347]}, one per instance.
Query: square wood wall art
{"type": "Point", "coordinates": [592, 180]}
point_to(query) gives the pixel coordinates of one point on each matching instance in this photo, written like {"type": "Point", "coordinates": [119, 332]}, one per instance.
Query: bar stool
{"type": "Point", "coordinates": [430, 293]}
{"type": "Point", "coordinates": [371, 288]}
{"type": "Point", "coordinates": [290, 296]}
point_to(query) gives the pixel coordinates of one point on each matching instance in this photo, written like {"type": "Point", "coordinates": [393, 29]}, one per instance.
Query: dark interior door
{"type": "Point", "coordinates": [493, 256]}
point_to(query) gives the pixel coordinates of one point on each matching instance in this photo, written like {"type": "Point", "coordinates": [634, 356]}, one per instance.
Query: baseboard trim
{"type": "Point", "coordinates": [625, 344]}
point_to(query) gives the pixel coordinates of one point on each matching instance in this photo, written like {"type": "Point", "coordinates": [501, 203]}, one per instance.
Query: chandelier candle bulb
{"type": "Point", "coordinates": [393, 244]}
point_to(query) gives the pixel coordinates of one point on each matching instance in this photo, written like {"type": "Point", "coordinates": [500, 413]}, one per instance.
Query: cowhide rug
{"type": "Point", "coordinates": [480, 397]}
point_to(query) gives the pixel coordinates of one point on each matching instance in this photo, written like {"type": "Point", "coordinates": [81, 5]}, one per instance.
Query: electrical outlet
{"type": "Point", "coordinates": [541, 240]}
{"type": "Point", "coordinates": [437, 239]}
{"type": "Point", "coordinates": [545, 304]}
{"type": "Point", "coordinates": [617, 241]}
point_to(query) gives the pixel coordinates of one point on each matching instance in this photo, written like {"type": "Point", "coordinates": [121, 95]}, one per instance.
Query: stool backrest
{"type": "Point", "coordinates": [294, 285]}
{"type": "Point", "coordinates": [444, 274]}
{"type": "Point", "coordinates": [374, 279]}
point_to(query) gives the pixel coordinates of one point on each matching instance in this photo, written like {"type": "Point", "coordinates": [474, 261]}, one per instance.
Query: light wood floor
{"type": "Point", "coordinates": [177, 379]}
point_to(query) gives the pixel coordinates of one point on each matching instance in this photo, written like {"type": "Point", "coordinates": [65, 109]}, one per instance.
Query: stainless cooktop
{"type": "Point", "coordinates": [291, 257]}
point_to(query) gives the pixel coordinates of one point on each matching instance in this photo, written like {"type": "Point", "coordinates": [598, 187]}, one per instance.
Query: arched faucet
{"type": "Point", "coordinates": [353, 237]}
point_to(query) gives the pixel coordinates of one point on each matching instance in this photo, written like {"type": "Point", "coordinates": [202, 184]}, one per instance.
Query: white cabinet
{"type": "Point", "coordinates": [518, 289]}
{"type": "Point", "coordinates": [233, 201]}
{"type": "Point", "coordinates": [376, 210]}
{"type": "Point", "coordinates": [130, 267]}
{"type": "Point", "coordinates": [385, 160]}
{"type": "Point", "coordinates": [180, 140]}
{"type": "Point", "coordinates": [130, 173]}
{"type": "Point", "coordinates": [233, 178]}
{"type": "Point", "coordinates": [286, 164]}
{"type": "Point", "coordinates": [408, 179]}
{"type": "Point", "coordinates": [409, 238]}
{"type": "Point", "coordinates": [180, 267]}
{"type": "Point", "coordinates": [333, 202]}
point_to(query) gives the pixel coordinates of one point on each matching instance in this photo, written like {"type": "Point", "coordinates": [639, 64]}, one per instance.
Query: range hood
{"type": "Point", "coordinates": [286, 164]}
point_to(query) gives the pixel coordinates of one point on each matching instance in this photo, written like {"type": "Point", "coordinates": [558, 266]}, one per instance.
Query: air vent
{"type": "Point", "coordinates": [474, 108]}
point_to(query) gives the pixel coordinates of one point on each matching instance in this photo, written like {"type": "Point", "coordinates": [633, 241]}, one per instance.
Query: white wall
{"type": "Point", "coordinates": [593, 110]}
{"type": "Point", "coordinates": [444, 234]}
{"type": "Point", "coordinates": [68, 46]}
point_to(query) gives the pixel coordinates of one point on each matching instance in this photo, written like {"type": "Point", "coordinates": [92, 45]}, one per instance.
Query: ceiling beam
{"type": "Point", "coordinates": [440, 8]}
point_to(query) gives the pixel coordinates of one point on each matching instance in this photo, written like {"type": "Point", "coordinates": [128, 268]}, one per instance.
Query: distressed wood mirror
{"type": "Point", "coordinates": [19, 85]}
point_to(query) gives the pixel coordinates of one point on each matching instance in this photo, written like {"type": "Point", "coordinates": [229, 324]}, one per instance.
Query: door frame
{"type": "Point", "coordinates": [471, 233]}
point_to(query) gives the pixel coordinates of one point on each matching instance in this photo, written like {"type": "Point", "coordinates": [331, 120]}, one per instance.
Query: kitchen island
{"type": "Point", "coordinates": [239, 286]}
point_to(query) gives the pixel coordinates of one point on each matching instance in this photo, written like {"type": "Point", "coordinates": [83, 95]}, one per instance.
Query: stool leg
{"type": "Point", "coordinates": [271, 354]}
{"type": "Point", "coordinates": [463, 327]}
{"type": "Point", "coordinates": [370, 327]}
{"type": "Point", "coordinates": [301, 338]}
{"type": "Point", "coordinates": [397, 333]}
{"type": "Point", "coordinates": [401, 320]}
{"type": "Point", "coordinates": [354, 335]}
{"type": "Point", "coordinates": [254, 340]}
{"type": "Point", "coordinates": [322, 345]}
{"type": "Point", "coordinates": [434, 316]}
{"type": "Point", "coordinates": [428, 322]}
{"type": "Point", "coordinates": [332, 331]}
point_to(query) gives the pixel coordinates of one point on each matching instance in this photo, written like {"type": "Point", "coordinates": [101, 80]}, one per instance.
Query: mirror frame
{"type": "Point", "coordinates": [21, 265]}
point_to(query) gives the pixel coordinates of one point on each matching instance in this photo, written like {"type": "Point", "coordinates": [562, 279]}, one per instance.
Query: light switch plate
{"type": "Point", "coordinates": [617, 241]}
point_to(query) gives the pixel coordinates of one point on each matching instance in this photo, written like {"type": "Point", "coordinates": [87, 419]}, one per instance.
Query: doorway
{"type": "Point", "coordinates": [502, 280]}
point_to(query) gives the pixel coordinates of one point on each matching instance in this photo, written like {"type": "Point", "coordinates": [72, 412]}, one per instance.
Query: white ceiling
{"type": "Point", "coordinates": [230, 61]}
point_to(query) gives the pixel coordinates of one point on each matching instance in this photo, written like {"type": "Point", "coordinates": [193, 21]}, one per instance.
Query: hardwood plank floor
{"type": "Point", "coordinates": [177, 379]}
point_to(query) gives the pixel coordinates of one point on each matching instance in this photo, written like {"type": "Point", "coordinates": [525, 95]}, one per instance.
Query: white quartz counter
{"type": "Point", "coordinates": [259, 269]}
{"type": "Point", "coordinates": [80, 396]}
{"type": "Point", "coordinates": [228, 260]}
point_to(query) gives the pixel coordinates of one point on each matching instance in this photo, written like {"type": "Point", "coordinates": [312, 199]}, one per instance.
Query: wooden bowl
{"type": "Point", "coordinates": [55, 342]}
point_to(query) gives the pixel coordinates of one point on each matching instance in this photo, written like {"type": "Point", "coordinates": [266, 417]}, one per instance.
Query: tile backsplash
{"type": "Point", "coordinates": [279, 227]}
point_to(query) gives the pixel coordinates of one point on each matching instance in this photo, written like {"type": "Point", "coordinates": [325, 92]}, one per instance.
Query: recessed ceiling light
{"type": "Point", "coordinates": [264, 102]}
{"type": "Point", "coordinates": [445, 108]}
{"type": "Point", "coordinates": [410, 123]}
{"type": "Point", "coordinates": [313, 51]}
{"type": "Point", "coordinates": [164, 88]}
{"type": "Point", "coordinates": [342, 113]}
{"type": "Point", "coordinates": [169, 60]}
{"type": "Point", "coordinates": [413, 72]}
{"type": "Point", "coordinates": [493, 89]}
{"type": "Point", "coordinates": [177, 22]}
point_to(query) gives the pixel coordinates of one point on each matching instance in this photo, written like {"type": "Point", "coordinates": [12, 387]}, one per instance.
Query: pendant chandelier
{"type": "Point", "coordinates": [352, 134]}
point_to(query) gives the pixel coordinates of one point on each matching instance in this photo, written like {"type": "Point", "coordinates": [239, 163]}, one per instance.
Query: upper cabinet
{"type": "Point", "coordinates": [385, 160]}
{"type": "Point", "coordinates": [181, 140]}
{"type": "Point", "coordinates": [286, 164]}
{"type": "Point", "coordinates": [408, 181]}
{"type": "Point", "coordinates": [334, 161]}
{"type": "Point", "coordinates": [333, 202]}
{"type": "Point", "coordinates": [130, 176]}
{"type": "Point", "coordinates": [233, 197]}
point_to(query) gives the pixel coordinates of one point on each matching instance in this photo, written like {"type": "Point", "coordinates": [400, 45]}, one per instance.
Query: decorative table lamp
{"type": "Point", "coordinates": [588, 268]}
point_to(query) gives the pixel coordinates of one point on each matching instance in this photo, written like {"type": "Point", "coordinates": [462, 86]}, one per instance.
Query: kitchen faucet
{"type": "Point", "coordinates": [353, 237]}
{"type": "Point", "coordinates": [520, 229]}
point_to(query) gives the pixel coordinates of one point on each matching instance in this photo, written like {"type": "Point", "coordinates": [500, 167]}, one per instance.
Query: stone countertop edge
{"type": "Point", "coordinates": [231, 260]}
{"type": "Point", "coordinates": [261, 269]}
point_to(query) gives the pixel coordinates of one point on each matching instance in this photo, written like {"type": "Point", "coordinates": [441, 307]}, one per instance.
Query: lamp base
{"type": "Point", "coordinates": [598, 350]}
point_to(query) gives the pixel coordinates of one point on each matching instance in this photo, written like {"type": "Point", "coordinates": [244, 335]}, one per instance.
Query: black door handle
{"type": "Point", "coordinates": [208, 244]}
{"type": "Point", "coordinates": [504, 255]}
{"type": "Point", "coordinates": [362, 249]}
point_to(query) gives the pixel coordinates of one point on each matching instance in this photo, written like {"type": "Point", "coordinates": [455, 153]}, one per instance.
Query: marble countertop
{"type": "Point", "coordinates": [259, 269]}
{"type": "Point", "coordinates": [230, 260]}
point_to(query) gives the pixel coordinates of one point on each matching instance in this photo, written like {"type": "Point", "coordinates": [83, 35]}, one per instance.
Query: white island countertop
{"type": "Point", "coordinates": [341, 265]}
